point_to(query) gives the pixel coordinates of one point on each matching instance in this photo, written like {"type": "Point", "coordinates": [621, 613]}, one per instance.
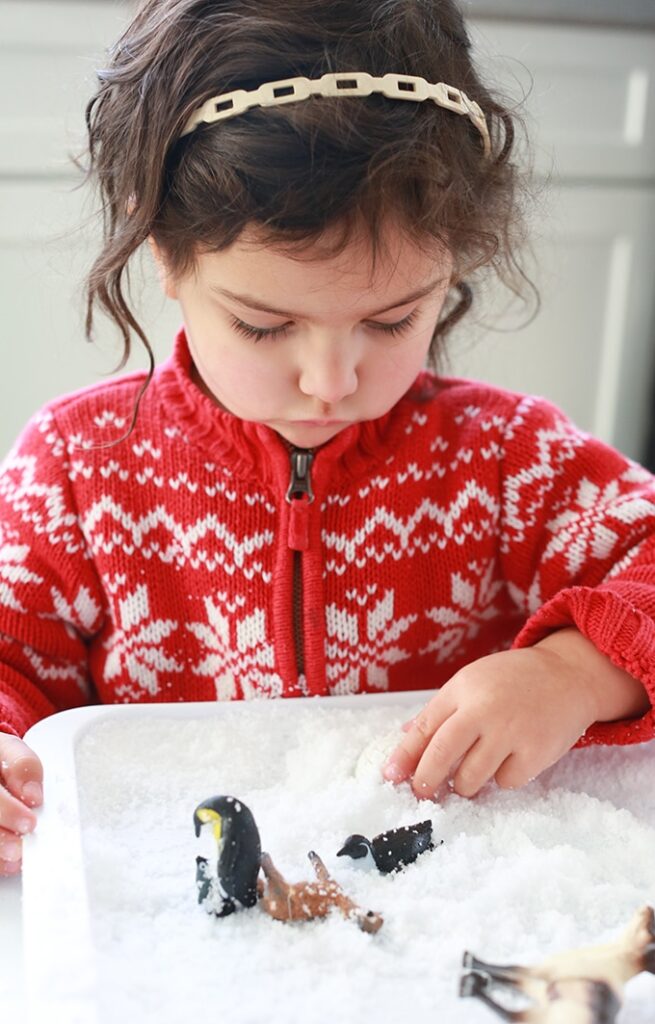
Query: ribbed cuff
{"type": "Point", "coordinates": [617, 629]}
{"type": "Point", "coordinates": [10, 730]}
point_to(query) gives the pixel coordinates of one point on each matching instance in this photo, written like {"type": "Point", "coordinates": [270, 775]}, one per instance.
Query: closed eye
{"type": "Point", "coordinates": [258, 333]}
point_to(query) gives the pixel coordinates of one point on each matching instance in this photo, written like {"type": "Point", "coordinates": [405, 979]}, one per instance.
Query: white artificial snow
{"type": "Point", "coordinates": [563, 862]}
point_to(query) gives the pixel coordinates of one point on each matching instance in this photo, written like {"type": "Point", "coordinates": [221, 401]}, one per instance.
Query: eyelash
{"type": "Point", "coordinates": [259, 333]}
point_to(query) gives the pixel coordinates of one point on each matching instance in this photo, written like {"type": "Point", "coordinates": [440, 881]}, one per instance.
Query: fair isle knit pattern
{"type": "Point", "coordinates": [172, 567]}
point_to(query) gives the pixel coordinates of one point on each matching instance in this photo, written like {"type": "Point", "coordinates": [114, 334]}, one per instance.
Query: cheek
{"type": "Point", "coordinates": [397, 366]}
{"type": "Point", "coordinates": [243, 378]}
{"type": "Point", "coordinates": [241, 370]}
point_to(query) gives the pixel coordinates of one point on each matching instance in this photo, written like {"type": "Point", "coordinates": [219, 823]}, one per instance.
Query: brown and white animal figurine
{"type": "Point", "coordinates": [580, 986]}
{"type": "Point", "coordinates": [306, 900]}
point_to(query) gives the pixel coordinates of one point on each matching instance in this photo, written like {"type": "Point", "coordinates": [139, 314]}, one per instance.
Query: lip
{"type": "Point", "coordinates": [319, 423]}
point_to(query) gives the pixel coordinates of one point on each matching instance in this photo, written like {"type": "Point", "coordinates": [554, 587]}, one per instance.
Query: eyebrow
{"type": "Point", "coordinates": [248, 300]}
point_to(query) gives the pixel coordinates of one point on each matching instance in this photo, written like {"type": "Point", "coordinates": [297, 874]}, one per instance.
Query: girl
{"type": "Point", "coordinates": [291, 505]}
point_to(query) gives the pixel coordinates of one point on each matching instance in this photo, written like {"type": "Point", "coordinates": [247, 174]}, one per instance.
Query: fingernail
{"type": "Point", "coordinates": [32, 793]}
{"type": "Point", "coordinates": [9, 867]}
{"type": "Point", "coordinates": [392, 772]}
{"type": "Point", "coordinates": [24, 825]}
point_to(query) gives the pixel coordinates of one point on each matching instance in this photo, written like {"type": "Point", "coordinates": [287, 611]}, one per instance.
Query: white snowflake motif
{"type": "Point", "coordinates": [13, 572]}
{"type": "Point", "coordinates": [247, 662]}
{"type": "Point", "coordinates": [349, 656]}
{"type": "Point", "coordinates": [472, 604]}
{"type": "Point", "coordinates": [81, 615]}
{"type": "Point", "coordinates": [583, 532]}
{"type": "Point", "coordinates": [58, 671]}
{"type": "Point", "coordinates": [137, 646]}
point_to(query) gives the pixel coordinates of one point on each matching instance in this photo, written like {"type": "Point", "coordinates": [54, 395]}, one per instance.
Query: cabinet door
{"type": "Point", "coordinates": [590, 349]}
{"type": "Point", "coordinates": [49, 50]}
{"type": "Point", "coordinates": [589, 95]}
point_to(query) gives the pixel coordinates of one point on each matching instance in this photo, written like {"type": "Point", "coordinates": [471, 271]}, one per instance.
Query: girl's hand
{"type": "Point", "coordinates": [506, 716]}
{"type": "Point", "coordinates": [21, 777]}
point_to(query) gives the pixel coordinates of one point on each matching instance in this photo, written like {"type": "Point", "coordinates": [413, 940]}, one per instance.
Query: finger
{"type": "Point", "coordinates": [9, 867]}
{"type": "Point", "coordinates": [21, 771]}
{"type": "Point", "coordinates": [14, 815]}
{"type": "Point", "coordinates": [477, 767]}
{"type": "Point", "coordinates": [11, 852]}
{"type": "Point", "coordinates": [450, 742]}
{"type": "Point", "coordinates": [512, 773]}
{"type": "Point", "coordinates": [408, 725]}
{"type": "Point", "coordinates": [404, 759]}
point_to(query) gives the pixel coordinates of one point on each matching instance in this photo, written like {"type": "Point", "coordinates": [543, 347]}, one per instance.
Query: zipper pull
{"type": "Point", "coordinates": [301, 482]}
{"type": "Point", "coordinates": [300, 496]}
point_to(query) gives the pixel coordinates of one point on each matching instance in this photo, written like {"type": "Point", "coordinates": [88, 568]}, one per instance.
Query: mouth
{"type": "Point", "coordinates": [318, 423]}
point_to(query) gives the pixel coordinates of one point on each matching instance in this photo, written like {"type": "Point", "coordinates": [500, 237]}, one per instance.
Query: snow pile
{"type": "Point", "coordinates": [563, 862]}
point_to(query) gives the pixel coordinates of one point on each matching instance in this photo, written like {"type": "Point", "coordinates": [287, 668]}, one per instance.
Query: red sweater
{"type": "Point", "coordinates": [175, 566]}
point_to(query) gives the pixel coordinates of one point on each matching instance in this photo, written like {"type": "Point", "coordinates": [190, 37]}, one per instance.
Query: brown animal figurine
{"type": "Point", "coordinates": [580, 986]}
{"type": "Point", "coordinates": [307, 900]}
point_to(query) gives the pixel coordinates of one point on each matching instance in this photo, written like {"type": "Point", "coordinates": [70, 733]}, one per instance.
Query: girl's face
{"type": "Point", "coordinates": [308, 347]}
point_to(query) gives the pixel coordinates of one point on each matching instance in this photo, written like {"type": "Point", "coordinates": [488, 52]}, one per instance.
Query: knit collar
{"type": "Point", "coordinates": [246, 447]}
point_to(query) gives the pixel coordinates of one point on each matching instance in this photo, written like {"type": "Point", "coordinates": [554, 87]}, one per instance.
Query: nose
{"type": "Point", "coordinates": [329, 372]}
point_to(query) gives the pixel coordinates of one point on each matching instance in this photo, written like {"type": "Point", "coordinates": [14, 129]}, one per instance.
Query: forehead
{"type": "Point", "coordinates": [277, 273]}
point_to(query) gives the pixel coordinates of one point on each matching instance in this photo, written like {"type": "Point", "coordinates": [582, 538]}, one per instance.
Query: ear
{"type": "Point", "coordinates": [163, 273]}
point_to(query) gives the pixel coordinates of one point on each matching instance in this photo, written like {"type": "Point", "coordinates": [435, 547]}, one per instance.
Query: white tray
{"type": "Point", "coordinates": [58, 944]}
{"type": "Point", "coordinates": [561, 863]}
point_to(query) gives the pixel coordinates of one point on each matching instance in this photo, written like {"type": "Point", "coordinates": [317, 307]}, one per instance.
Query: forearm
{"type": "Point", "coordinates": [614, 692]}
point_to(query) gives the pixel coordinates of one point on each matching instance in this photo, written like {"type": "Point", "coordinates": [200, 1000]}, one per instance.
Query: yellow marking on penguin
{"type": "Point", "coordinates": [207, 815]}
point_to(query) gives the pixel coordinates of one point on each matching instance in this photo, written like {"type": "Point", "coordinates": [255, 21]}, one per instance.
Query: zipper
{"type": "Point", "coordinates": [300, 496]}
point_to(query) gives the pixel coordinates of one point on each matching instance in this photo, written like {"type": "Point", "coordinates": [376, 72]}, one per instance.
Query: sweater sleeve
{"type": "Point", "coordinates": [51, 602]}
{"type": "Point", "coordinates": [578, 547]}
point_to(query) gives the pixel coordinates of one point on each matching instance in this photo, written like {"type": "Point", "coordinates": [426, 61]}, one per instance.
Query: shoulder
{"type": "Point", "coordinates": [521, 428]}
{"type": "Point", "coordinates": [118, 393]}
{"type": "Point", "coordinates": [95, 413]}
{"type": "Point", "coordinates": [472, 400]}
{"type": "Point", "coordinates": [463, 400]}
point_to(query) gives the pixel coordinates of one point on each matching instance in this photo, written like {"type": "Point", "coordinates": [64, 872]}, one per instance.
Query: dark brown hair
{"type": "Point", "coordinates": [299, 169]}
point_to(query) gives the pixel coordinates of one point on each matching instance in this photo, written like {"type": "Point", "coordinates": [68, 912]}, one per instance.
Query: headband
{"type": "Point", "coordinates": [355, 83]}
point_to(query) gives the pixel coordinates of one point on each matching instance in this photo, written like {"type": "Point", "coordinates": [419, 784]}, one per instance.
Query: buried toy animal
{"type": "Point", "coordinates": [236, 884]}
{"type": "Point", "coordinates": [237, 837]}
{"type": "Point", "coordinates": [305, 901]}
{"type": "Point", "coordinates": [392, 850]}
{"type": "Point", "coordinates": [580, 986]}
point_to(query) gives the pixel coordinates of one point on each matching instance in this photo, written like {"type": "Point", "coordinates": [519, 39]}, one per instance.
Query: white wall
{"type": "Point", "coordinates": [592, 110]}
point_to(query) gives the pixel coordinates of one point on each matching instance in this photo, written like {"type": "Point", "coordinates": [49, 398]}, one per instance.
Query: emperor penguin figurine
{"type": "Point", "coordinates": [239, 856]}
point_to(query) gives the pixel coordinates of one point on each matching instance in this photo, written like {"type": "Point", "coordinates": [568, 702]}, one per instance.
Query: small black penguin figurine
{"type": "Point", "coordinates": [391, 850]}
{"type": "Point", "coordinates": [239, 855]}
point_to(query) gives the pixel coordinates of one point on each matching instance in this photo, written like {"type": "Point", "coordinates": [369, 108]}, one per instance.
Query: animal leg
{"type": "Point", "coordinates": [319, 867]}
{"type": "Point", "coordinates": [367, 920]}
{"type": "Point", "coordinates": [644, 938]}
{"type": "Point", "coordinates": [510, 973]}
{"type": "Point", "coordinates": [278, 887]}
{"type": "Point", "coordinates": [477, 985]}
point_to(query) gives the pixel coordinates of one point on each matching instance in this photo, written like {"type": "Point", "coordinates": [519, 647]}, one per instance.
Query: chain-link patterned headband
{"type": "Point", "coordinates": [355, 83]}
